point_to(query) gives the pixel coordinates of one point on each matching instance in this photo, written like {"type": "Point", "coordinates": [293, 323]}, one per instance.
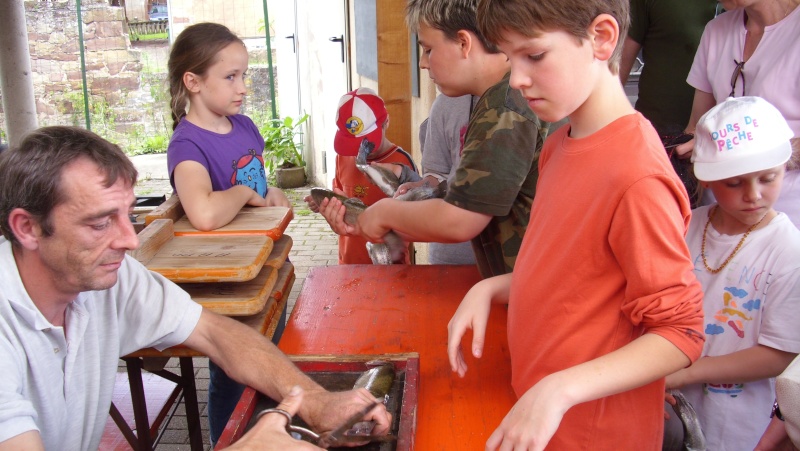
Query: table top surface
{"type": "Point", "coordinates": [367, 309]}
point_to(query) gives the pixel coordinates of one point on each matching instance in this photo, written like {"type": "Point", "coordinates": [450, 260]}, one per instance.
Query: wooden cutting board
{"type": "Point", "coordinates": [171, 209]}
{"type": "Point", "coordinates": [280, 252]}
{"type": "Point", "coordinates": [201, 258]}
{"type": "Point", "coordinates": [235, 298]}
{"type": "Point", "coordinates": [269, 221]}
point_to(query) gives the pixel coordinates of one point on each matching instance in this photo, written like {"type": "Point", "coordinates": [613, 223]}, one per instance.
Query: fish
{"type": "Point", "coordinates": [378, 379]}
{"type": "Point", "coordinates": [392, 250]}
{"type": "Point", "coordinates": [383, 178]}
{"type": "Point", "coordinates": [693, 437]}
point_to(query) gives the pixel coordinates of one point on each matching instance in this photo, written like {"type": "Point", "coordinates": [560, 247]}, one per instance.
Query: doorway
{"type": "Point", "coordinates": [312, 74]}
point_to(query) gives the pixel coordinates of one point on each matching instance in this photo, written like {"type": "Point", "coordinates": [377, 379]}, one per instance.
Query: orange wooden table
{"type": "Point", "coordinates": [367, 309]}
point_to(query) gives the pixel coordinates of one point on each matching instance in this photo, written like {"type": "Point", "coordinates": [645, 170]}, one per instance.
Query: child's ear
{"type": "Point", "coordinates": [604, 35]}
{"type": "Point", "coordinates": [192, 82]}
{"type": "Point", "coordinates": [465, 40]}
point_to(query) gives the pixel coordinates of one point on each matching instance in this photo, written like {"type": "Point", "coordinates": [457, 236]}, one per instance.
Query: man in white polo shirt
{"type": "Point", "coordinates": [72, 302]}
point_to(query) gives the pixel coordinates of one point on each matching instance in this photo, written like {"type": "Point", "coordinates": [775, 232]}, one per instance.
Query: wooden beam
{"type": "Point", "coordinates": [394, 69]}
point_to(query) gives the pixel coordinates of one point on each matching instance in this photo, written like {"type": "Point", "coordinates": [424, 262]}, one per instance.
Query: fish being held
{"type": "Point", "coordinates": [392, 250]}
{"type": "Point", "coordinates": [378, 380]}
{"type": "Point", "coordinates": [693, 438]}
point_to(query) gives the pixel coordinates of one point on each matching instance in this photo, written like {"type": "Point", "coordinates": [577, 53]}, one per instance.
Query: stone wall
{"type": "Point", "coordinates": [128, 94]}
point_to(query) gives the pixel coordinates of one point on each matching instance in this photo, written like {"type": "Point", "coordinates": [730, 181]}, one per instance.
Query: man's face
{"type": "Point", "coordinates": [444, 60]}
{"type": "Point", "coordinates": [91, 232]}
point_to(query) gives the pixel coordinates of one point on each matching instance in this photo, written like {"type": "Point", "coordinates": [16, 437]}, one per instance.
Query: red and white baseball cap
{"type": "Point", "coordinates": [361, 114]}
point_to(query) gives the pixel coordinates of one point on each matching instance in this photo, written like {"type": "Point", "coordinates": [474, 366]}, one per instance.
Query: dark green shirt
{"type": "Point", "coordinates": [669, 32]}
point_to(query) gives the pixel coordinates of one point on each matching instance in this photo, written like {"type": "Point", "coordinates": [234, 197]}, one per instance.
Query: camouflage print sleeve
{"type": "Point", "coordinates": [500, 156]}
{"type": "Point", "coordinates": [498, 174]}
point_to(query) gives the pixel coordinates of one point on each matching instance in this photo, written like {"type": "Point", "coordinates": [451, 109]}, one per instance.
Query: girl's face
{"type": "Point", "coordinates": [745, 199]}
{"type": "Point", "coordinates": [221, 90]}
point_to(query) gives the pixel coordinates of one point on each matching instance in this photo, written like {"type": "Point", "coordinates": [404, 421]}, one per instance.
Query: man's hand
{"type": "Point", "coordinates": [269, 433]}
{"type": "Point", "coordinates": [325, 411]}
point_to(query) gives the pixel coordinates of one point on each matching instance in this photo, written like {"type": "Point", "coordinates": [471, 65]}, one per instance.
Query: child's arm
{"type": "Point", "coordinates": [208, 209]}
{"type": "Point", "coordinates": [431, 220]}
{"type": "Point", "coordinates": [751, 364]}
{"type": "Point", "coordinates": [473, 313]}
{"type": "Point", "coordinates": [535, 417]}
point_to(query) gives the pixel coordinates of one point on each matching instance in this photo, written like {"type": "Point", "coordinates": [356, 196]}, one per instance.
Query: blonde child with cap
{"type": "Point", "coordinates": [362, 115]}
{"type": "Point", "coordinates": [747, 258]}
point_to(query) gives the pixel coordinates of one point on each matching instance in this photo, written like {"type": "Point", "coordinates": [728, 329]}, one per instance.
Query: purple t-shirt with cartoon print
{"type": "Point", "coordinates": [231, 159]}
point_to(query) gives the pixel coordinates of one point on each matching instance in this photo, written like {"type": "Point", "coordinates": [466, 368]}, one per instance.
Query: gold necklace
{"type": "Point", "coordinates": [735, 250]}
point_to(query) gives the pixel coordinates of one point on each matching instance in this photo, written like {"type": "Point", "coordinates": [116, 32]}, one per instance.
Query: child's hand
{"type": "Point", "coordinates": [408, 186]}
{"type": "Point", "coordinates": [533, 420]}
{"type": "Point", "coordinates": [276, 198]}
{"type": "Point", "coordinates": [472, 313]}
{"type": "Point", "coordinates": [333, 211]}
{"type": "Point", "coordinates": [676, 380]}
{"type": "Point", "coordinates": [370, 224]}
{"type": "Point", "coordinates": [311, 203]}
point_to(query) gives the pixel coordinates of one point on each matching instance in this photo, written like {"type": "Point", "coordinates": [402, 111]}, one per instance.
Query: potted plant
{"type": "Point", "coordinates": [282, 156]}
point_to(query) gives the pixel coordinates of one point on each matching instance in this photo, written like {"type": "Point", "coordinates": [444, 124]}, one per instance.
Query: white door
{"type": "Point", "coordinates": [283, 15]}
{"type": "Point", "coordinates": [321, 30]}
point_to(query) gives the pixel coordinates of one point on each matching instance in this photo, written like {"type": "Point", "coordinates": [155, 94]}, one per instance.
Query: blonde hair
{"type": "Point", "coordinates": [528, 18]}
{"type": "Point", "coordinates": [195, 50]}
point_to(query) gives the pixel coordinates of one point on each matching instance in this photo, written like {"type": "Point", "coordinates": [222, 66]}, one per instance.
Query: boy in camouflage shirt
{"type": "Point", "coordinates": [490, 198]}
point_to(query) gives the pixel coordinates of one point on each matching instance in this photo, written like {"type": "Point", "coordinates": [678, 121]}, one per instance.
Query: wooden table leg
{"type": "Point", "coordinates": [139, 403]}
{"type": "Point", "coordinates": [190, 401]}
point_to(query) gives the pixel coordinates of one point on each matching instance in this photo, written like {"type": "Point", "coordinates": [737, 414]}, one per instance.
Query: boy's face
{"type": "Point", "coordinates": [747, 198]}
{"type": "Point", "coordinates": [554, 71]}
{"type": "Point", "coordinates": [443, 59]}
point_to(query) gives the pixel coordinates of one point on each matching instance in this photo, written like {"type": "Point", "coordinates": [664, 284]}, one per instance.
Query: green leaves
{"type": "Point", "coordinates": [280, 143]}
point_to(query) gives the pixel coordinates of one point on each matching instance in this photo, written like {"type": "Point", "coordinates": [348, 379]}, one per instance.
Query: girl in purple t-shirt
{"type": "Point", "coordinates": [215, 154]}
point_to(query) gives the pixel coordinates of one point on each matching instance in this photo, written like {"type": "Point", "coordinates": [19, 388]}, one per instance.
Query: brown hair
{"type": "Point", "coordinates": [30, 174]}
{"type": "Point", "coordinates": [528, 18]}
{"type": "Point", "coordinates": [194, 50]}
{"type": "Point", "coordinates": [449, 16]}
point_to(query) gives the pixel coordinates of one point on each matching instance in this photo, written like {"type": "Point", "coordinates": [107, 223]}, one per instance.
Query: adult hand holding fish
{"type": "Point", "coordinates": [271, 428]}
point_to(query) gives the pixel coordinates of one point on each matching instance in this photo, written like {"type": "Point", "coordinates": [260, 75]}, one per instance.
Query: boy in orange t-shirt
{"type": "Point", "coordinates": [602, 303]}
